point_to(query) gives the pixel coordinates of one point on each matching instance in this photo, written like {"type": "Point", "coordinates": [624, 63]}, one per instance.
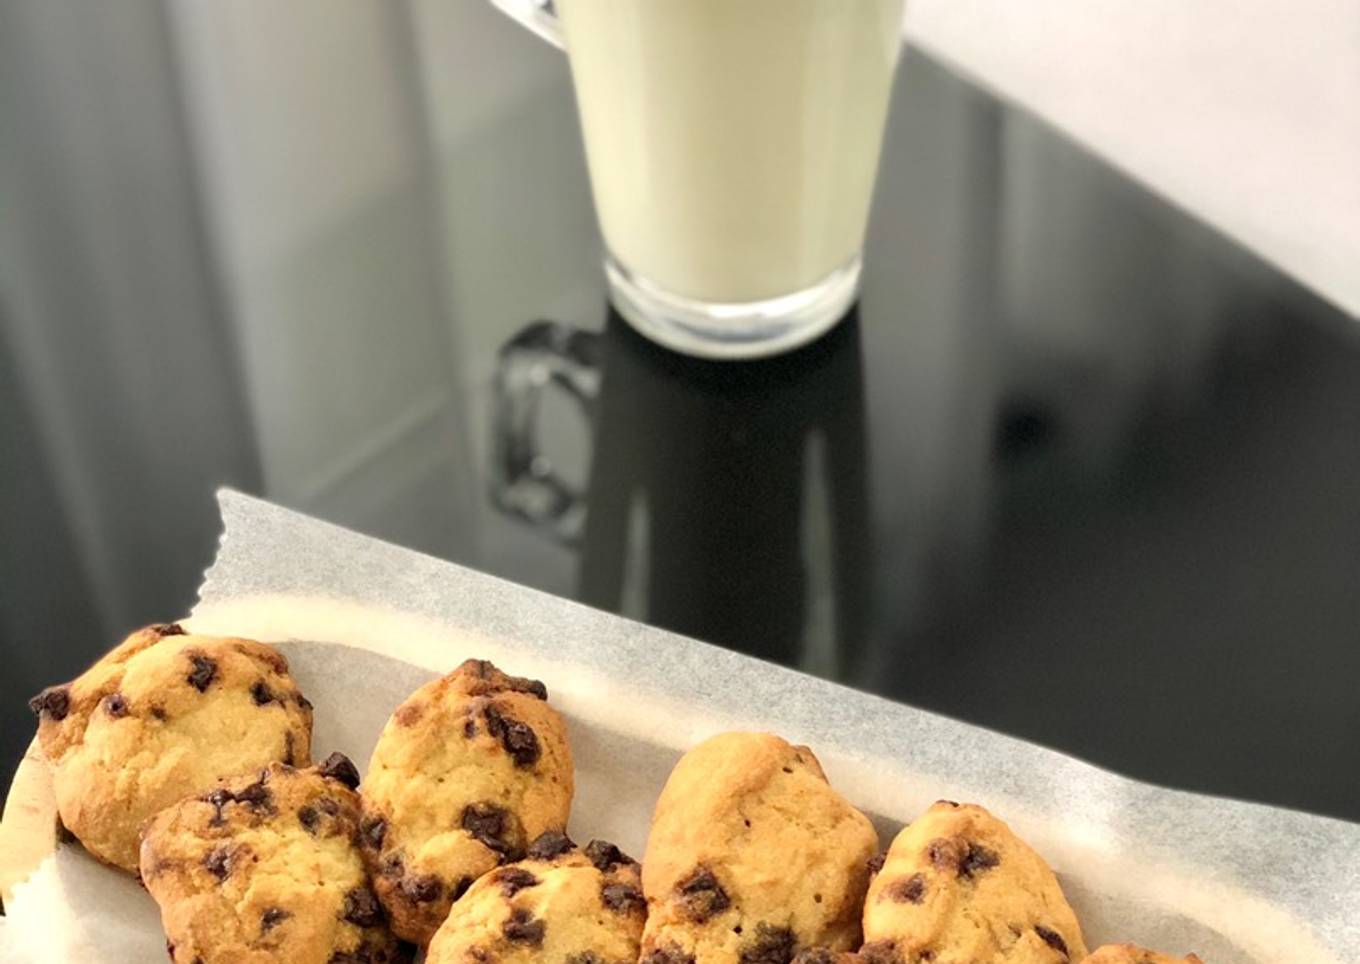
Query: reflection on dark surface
{"type": "Point", "coordinates": [722, 495]}
{"type": "Point", "coordinates": [1108, 461]}
{"type": "Point", "coordinates": [724, 501]}
{"type": "Point", "coordinates": [524, 482]}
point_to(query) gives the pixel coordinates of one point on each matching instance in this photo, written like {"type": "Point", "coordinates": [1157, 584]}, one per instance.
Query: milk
{"type": "Point", "coordinates": [732, 144]}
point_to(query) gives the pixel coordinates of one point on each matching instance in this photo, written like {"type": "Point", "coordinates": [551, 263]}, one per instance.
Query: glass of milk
{"type": "Point", "coordinates": [732, 147]}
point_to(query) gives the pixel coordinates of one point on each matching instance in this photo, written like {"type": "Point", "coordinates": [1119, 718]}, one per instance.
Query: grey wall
{"type": "Point", "coordinates": [121, 407]}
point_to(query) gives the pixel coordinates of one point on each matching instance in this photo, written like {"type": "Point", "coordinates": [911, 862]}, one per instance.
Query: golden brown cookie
{"type": "Point", "coordinates": [560, 905]}
{"type": "Point", "coordinates": [958, 885]}
{"type": "Point", "coordinates": [163, 716]}
{"type": "Point", "coordinates": [467, 771]}
{"type": "Point", "coordinates": [265, 869]}
{"type": "Point", "coordinates": [752, 857]}
{"type": "Point", "coordinates": [1132, 954]}
{"type": "Point", "coordinates": [822, 955]}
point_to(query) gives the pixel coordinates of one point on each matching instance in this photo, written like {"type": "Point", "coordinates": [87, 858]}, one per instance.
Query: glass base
{"type": "Point", "coordinates": [752, 329]}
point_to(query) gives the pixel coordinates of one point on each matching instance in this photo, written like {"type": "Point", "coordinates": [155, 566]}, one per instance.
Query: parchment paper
{"type": "Point", "coordinates": [363, 623]}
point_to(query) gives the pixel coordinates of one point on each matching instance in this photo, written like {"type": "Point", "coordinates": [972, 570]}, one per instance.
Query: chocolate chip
{"type": "Point", "coordinates": [494, 681]}
{"type": "Point", "coordinates": [288, 752]}
{"type": "Point", "coordinates": [515, 879]}
{"type": "Point", "coordinates": [159, 713]}
{"type": "Point", "coordinates": [946, 853]}
{"type": "Point", "coordinates": [550, 844]}
{"type": "Point", "coordinates": [518, 739]}
{"type": "Point", "coordinates": [275, 660]}
{"type": "Point", "coordinates": [976, 860]}
{"type": "Point", "coordinates": [1052, 938]}
{"type": "Point", "coordinates": [260, 693]}
{"type": "Point", "coordinates": [55, 701]}
{"type": "Point", "coordinates": [392, 865]}
{"type": "Point", "coordinates": [875, 863]}
{"type": "Point", "coordinates": [460, 887]}
{"type": "Point", "coordinates": [219, 800]}
{"type": "Point", "coordinates": [371, 832]}
{"type": "Point", "coordinates": [489, 825]}
{"type": "Point", "coordinates": [303, 702]}
{"type": "Point", "coordinates": [218, 862]}
{"type": "Point", "coordinates": [469, 728]}
{"type": "Point", "coordinates": [605, 856]}
{"type": "Point", "coordinates": [701, 896]}
{"type": "Point", "coordinates": [168, 629]}
{"type": "Point", "coordinates": [273, 917]}
{"type": "Point", "coordinates": [906, 890]}
{"type": "Point", "coordinates": [255, 793]}
{"type": "Point", "coordinates": [337, 766]}
{"type": "Point", "coordinates": [772, 945]}
{"type": "Point", "coordinates": [522, 928]}
{"type": "Point", "coordinates": [623, 898]}
{"type": "Point", "coordinates": [170, 948]}
{"type": "Point", "coordinates": [203, 673]}
{"type": "Point", "coordinates": [308, 817]}
{"type": "Point", "coordinates": [532, 686]}
{"type": "Point", "coordinates": [362, 908]}
{"type": "Point", "coordinates": [423, 889]}
{"type": "Point", "coordinates": [883, 952]}
{"type": "Point", "coordinates": [116, 705]}
{"type": "Point", "coordinates": [327, 806]}
{"type": "Point", "coordinates": [669, 954]}
{"type": "Point", "coordinates": [256, 796]}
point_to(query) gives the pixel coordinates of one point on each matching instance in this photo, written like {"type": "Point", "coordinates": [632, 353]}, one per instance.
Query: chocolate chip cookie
{"type": "Point", "coordinates": [752, 857]}
{"type": "Point", "coordinates": [823, 955]}
{"type": "Point", "coordinates": [560, 904]}
{"type": "Point", "coordinates": [467, 771]}
{"type": "Point", "coordinates": [1132, 954]}
{"type": "Point", "coordinates": [163, 716]}
{"type": "Point", "coordinates": [958, 885]}
{"type": "Point", "coordinates": [265, 869]}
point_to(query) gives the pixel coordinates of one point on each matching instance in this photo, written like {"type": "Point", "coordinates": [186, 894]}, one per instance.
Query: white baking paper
{"type": "Point", "coordinates": [363, 623]}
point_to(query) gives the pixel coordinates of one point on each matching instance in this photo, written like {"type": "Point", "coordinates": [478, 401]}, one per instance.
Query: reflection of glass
{"type": "Point", "coordinates": [732, 150]}
{"type": "Point", "coordinates": [726, 503]}
{"type": "Point", "coordinates": [524, 481]}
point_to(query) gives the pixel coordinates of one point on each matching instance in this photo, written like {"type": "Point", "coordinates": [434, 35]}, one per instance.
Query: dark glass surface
{"type": "Point", "coordinates": [1077, 468]}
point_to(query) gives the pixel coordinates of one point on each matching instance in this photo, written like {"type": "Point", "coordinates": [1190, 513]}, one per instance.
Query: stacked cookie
{"type": "Point", "coordinates": [557, 904]}
{"type": "Point", "coordinates": [186, 759]}
{"type": "Point", "coordinates": [469, 769]}
{"type": "Point", "coordinates": [165, 715]}
{"type": "Point", "coordinates": [264, 868]}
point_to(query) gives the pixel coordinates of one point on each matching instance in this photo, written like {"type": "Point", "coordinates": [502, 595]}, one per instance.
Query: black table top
{"type": "Point", "coordinates": [1076, 468]}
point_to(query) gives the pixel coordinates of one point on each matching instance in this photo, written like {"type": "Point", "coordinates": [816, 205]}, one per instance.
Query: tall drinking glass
{"type": "Point", "coordinates": [732, 147]}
